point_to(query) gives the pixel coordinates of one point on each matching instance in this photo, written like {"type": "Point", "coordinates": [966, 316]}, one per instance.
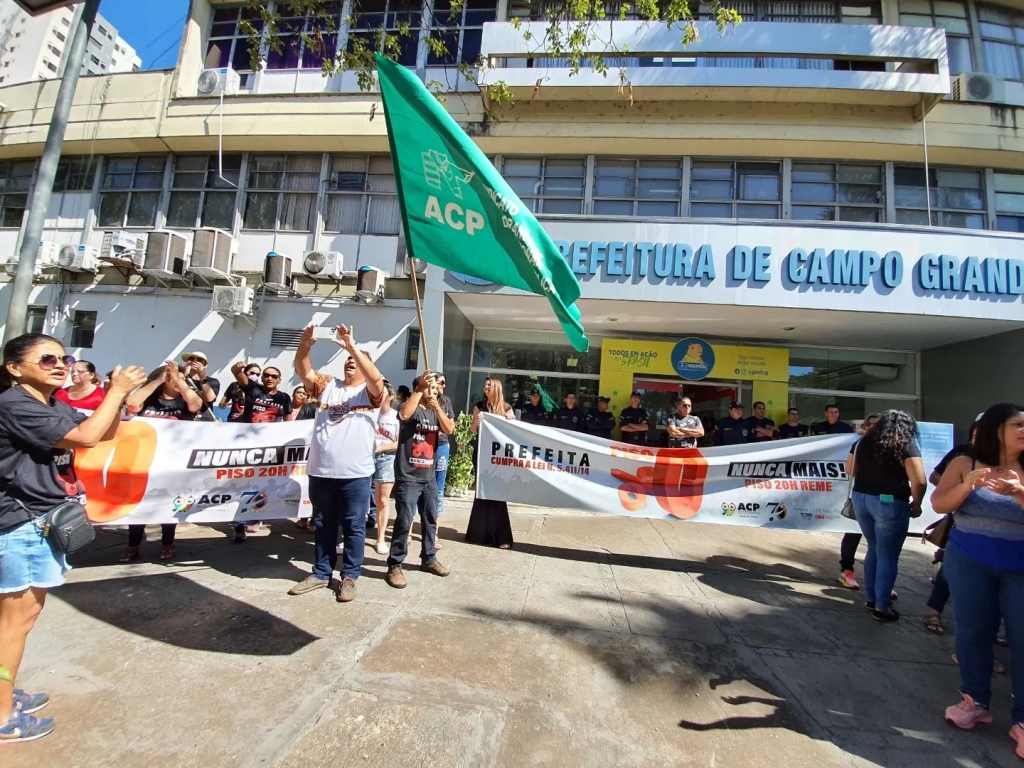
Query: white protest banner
{"type": "Point", "coordinates": [166, 471]}
{"type": "Point", "coordinates": [792, 484]}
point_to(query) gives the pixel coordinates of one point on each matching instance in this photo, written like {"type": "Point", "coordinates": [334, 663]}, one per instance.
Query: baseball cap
{"type": "Point", "coordinates": [534, 392]}
{"type": "Point", "coordinates": [634, 393]}
{"type": "Point", "coordinates": [735, 404]}
{"type": "Point", "coordinates": [200, 355]}
{"type": "Point", "coordinates": [603, 399]}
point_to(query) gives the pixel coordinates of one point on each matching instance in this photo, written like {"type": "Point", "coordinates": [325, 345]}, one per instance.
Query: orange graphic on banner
{"type": "Point", "coordinates": [676, 481]}
{"type": "Point", "coordinates": [116, 472]}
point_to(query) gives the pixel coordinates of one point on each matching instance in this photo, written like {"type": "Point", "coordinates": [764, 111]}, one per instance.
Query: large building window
{"type": "Point", "coordinates": [943, 14]}
{"type": "Point", "coordinates": [362, 197]}
{"type": "Point", "coordinates": [281, 192]}
{"type": "Point", "coordinates": [15, 181]}
{"type": "Point", "coordinates": [637, 187]}
{"type": "Point", "coordinates": [229, 45]}
{"type": "Point", "coordinates": [400, 19]}
{"type": "Point", "coordinates": [728, 190]}
{"type": "Point", "coordinates": [460, 30]}
{"type": "Point", "coordinates": [75, 174]}
{"type": "Point", "coordinates": [957, 196]}
{"type": "Point", "coordinates": [1002, 41]}
{"type": "Point", "coordinates": [295, 52]}
{"type": "Point", "coordinates": [837, 192]}
{"type": "Point", "coordinates": [548, 184]}
{"type": "Point", "coordinates": [131, 191]}
{"type": "Point", "coordinates": [1009, 188]}
{"type": "Point", "coordinates": [199, 196]}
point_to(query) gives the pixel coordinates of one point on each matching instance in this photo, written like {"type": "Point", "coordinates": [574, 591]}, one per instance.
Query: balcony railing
{"type": "Point", "coordinates": [773, 61]}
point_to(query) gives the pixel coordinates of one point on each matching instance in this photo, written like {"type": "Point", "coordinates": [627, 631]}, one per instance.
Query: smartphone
{"type": "Point", "coordinates": [887, 498]}
{"type": "Point", "coordinates": [324, 332]}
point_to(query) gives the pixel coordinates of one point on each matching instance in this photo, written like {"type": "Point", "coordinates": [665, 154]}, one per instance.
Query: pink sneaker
{"type": "Point", "coordinates": [848, 579]}
{"type": "Point", "coordinates": [967, 714]}
{"type": "Point", "coordinates": [1017, 734]}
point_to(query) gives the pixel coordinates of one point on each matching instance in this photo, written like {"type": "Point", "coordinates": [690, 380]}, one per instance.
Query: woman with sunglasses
{"type": "Point", "coordinates": [85, 392]}
{"type": "Point", "coordinates": [38, 435]}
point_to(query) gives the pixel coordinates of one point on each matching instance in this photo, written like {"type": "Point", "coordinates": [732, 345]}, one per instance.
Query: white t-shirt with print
{"type": "Point", "coordinates": [344, 433]}
{"type": "Point", "coordinates": [387, 427]}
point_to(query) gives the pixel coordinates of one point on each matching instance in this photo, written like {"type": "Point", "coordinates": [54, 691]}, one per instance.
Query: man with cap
{"type": "Point", "coordinates": [684, 429]}
{"type": "Point", "coordinates": [633, 422]}
{"type": "Point", "coordinates": [600, 422]}
{"type": "Point", "coordinates": [733, 429]}
{"type": "Point", "coordinates": [569, 416]}
{"type": "Point", "coordinates": [534, 411]}
{"type": "Point", "coordinates": [205, 386]}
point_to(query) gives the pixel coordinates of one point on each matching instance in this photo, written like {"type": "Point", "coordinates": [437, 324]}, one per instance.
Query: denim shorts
{"type": "Point", "coordinates": [384, 468]}
{"type": "Point", "coordinates": [28, 560]}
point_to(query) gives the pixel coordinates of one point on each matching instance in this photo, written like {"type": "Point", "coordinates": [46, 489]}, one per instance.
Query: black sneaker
{"type": "Point", "coordinates": [885, 616]}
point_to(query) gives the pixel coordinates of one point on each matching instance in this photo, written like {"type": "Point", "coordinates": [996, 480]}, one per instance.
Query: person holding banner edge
{"type": "Point", "coordinates": [341, 460]}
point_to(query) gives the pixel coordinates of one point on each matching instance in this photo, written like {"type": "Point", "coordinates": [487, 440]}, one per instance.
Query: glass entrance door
{"type": "Point", "coordinates": [710, 402]}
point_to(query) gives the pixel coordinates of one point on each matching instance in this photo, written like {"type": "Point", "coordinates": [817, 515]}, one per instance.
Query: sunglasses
{"type": "Point", "coordinates": [195, 360]}
{"type": "Point", "coordinates": [49, 362]}
{"type": "Point", "coordinates": [271, 376]}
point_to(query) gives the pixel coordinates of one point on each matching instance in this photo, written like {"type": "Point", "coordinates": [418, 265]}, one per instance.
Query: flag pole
{"type": "Point", "coordinates": [419, 312]}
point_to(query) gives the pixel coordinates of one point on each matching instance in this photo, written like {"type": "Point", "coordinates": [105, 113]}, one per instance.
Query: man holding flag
{"type": "Point", "coordinates": [457, 210]}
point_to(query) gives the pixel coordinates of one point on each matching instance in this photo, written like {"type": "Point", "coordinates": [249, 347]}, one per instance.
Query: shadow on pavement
{"type": "Point", "coordinates": [172, 609]}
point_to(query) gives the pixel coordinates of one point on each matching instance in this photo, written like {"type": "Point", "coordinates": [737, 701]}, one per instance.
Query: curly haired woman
{"type": "Point", "coordinates": [888, 486]}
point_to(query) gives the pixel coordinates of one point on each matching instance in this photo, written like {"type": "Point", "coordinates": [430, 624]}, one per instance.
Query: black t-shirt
{"type": "Point", "coordinates": [534, 414]}
{"type": "Point", "coordinates": [875, 480]}
{"type": "Point", "coordinates": [732, 431]}
{"type": "Point", "coordinates": [157, 407]}
{"type": "Point", "coordinates": [824, 428]}
{"type": "Point", "coordinates": [446, 405]}
{"type": "Point", "coordinates": [755, 423]}
{"type": "Point", "coordinates": [197, 386]}
{"type": "Point", "coordinates": [633, 415]}
{"type": "Point", "coordinates": [32, 471]}
{"type": "Point", "coordinates": [417, 446]}
{"type": "Point", "coordinates": [786, 432]}
{"type": "Point", "coordinates": [955, 452]}
{"type": "Point", "coordinates": [261, 407]}
{"type": "Point", "coordinates": [308, 411]}
{"type": "Point", "coordinates": [567, 418]}
{"type": "Point", "coordinates": [599, 424]}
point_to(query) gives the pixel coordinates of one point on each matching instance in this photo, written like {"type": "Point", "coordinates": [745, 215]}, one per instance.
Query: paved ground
{"type": "Point", "coordinates": [596, 642]}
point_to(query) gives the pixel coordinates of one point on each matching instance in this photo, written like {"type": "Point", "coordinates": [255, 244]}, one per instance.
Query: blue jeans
{"type": "Point", "coordinates": [940, 590]}
{"type": "Point", "coordinates": [411, 496]}
{"type": "Point", "coordinates": [981, 595]}
{"type": "Point", "coordinates": [885, 526]}
{"type": "Point", "coordinates": [441, 474]}
{"type": "Point", "coordinates": [339, 503]}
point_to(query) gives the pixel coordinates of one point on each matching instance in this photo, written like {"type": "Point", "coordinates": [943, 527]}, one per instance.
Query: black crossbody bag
{"type": "Point", "coordinates": [66, 526]}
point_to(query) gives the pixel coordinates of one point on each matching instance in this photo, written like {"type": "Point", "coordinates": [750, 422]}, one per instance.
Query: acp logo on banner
{"type": "Point", "coordinates": [693, 358]}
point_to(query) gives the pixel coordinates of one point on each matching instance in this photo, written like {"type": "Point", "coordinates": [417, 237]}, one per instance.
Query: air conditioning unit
{"type": "Point", "coordinates": [233, 300]}
{"type": "Point", "coordinates": [403, 267]}
{"type": "Point", "coordinates": [277, 272]}
{"type": "Point", "coordinates": [979, 87]}
{"type": "Point", "coordinates": [213, 254]}
{"type": "Point", "coordinates": [370, 284]}
{"type": "Point", "coordinates": [11, 268]}
{"type": "Point", "coordinates": [81, 258]}
{"type": "Point", "coordinates": [218, 82]}
{"type": "Point", "coordinates": [48, 254]}
{"type": "Point", "coordinates": [165, 255]}
{"type": "Point", "coordinates": [323, 265]}
{"type": "Point", "coordinates": [123, 249]}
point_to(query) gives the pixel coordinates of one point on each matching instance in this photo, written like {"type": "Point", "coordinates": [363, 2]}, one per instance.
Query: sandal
{"type": "Point", "coordinates": [167, 552]}
{"type": "Point", "coordinates": [506, 547]}
{"type": "Point", "coordinates": [130, 554]}
{"type": "Point", "coordinates": [933, 624]}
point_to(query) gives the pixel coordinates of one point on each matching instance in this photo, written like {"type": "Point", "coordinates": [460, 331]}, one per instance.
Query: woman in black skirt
{"type": "Point", "coordinates": [488, 522]}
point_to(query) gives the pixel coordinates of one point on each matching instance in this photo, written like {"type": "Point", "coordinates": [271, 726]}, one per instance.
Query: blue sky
{"type": "Point", "coordinates": [152, 27]}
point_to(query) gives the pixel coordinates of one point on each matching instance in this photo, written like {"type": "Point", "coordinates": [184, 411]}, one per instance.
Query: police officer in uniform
{"type": "Point", "coordinates": [635, 418]}
{"type": "Point", "coordinates": [831, 425]}
{"type": "Point", "coordinates": [734, 429]}
{"type": "Point", "coordinates": [568, 417]}
{"type": "Point", "coordinates": [534, 412]}
{"type": "Point", "coordinates": [600, 422]}
{"type": "Point", "coordinates": [762, 429]}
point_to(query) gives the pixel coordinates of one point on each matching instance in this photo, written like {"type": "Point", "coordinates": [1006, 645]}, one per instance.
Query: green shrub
{"type": "Point", "coordinates": [460, 464]}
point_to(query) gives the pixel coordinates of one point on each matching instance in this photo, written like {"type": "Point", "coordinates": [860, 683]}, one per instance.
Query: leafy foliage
{"type": "Point", "coordinates": [572, 30]}
{"type": "Point", "coordinates": [460, 463]}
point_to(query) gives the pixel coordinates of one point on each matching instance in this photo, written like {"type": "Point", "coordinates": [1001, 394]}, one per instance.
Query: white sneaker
{"type": "Point", "coordinates": [382, 548]}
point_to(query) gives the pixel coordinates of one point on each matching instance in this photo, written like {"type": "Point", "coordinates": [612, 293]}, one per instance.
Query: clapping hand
{"type": "Point", "coordinates": [124, 382]}
{"type": "Point", "coordinates": [976, 478]}
{"type": "Point", "coordinates": [1004, 482]}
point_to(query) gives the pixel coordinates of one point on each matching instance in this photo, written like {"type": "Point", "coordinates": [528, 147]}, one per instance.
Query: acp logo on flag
{"type": "Point", "coordinates": [440, 173]}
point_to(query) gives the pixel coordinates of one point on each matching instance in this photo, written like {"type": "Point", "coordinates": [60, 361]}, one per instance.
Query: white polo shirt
{"type": "Point", "coordinates": [344, 431]}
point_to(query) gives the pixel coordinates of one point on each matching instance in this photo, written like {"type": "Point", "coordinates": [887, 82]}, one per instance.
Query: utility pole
{"type": "Point", "coordinates": [43, 188]}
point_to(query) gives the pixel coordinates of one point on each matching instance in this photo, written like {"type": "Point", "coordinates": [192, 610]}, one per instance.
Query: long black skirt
{"type": "Point", "coordinates": [489, 524]}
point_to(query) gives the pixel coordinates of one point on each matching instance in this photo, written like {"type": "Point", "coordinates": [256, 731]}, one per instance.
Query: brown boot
{"type": "Point", "coordinates": [436, 568]}
{"type": "Point", "coordinates": [347, 591]}
{"type": "Point", "coordinates": [308, 584]}
{"type": "Point", "coordinates": [396, 577]}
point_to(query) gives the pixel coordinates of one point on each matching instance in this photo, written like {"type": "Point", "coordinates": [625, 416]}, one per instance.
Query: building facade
{"type": "Point", "coordinates": [827, 200]}
{"type": "Point", "coordinates": [35, 48]}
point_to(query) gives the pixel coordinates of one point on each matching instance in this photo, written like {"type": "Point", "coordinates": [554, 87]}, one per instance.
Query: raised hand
{"type": "Point", "coordinates": [124, 382]}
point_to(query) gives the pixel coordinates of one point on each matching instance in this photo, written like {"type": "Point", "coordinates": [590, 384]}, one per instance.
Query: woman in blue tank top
{"type": "Point", "coordinates": [984, 562]}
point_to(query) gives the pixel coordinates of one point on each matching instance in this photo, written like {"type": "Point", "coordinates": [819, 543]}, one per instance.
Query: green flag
{"type": "Point", "coordinates": [458, 212]}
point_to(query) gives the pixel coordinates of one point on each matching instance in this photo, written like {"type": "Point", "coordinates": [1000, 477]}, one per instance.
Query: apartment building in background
{"type": "Point", "coordinates": [35, 48]}
{"type": "Point", "coordinates": [829, 199]}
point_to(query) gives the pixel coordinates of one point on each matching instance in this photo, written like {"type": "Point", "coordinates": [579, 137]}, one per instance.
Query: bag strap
{"type": "Point", "coordinates": [849, 488]}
